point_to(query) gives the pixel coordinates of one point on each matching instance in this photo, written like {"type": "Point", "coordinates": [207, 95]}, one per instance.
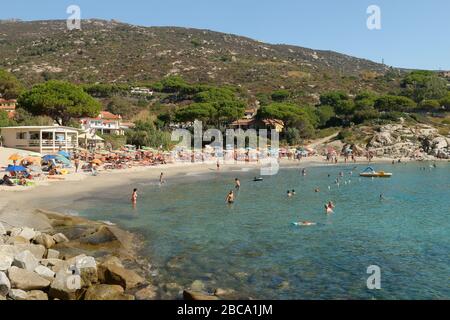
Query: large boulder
{"type": "Point", "coordinates": [104, 234]}
{"type": "Point", "coordinates": [26, 280]}
{"type": "Point", "coordinates": [26, 260]}
{"type": "Point", "coordinates": [5, 261]}
{"type": "Point", "coordinates": [44, 239]}
{"type": "Point", "coordinates": [87, 268]}
{"type": "Point", "coordinates": [14, 240]}
{"type": "Point", "coordinates": [27, 233]}
{"type": "Point", "coordinates": [103, 267]}
{"type": "Point", "coordinates": [196, 295]}
{"type": "Point", "coordinates": [60, 238]}
{"type": "Point", "coordinates": [18, 294]}
{"type": "Point", "coordinates": [106, 292]}
{"type": "Point", "coordinates": [36, 249]}
{"type": "Point", "coordinates": [5, 284]}
{"type": "Point", "coordinates": [37, 295]}
{"type": "Point", "coordinates": [66, 286]}
{"type": "Point", "coordinates": [147, 293]}
{"type": "Point", "coordinates": [128, 279]}
{"type": "Point", "coordinates": [52, 254]}
{"type": "Point", "coordinates": [45, 272]}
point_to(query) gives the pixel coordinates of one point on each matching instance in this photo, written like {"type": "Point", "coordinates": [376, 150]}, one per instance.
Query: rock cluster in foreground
{"type": "Point", "coordinates": [33, 268]}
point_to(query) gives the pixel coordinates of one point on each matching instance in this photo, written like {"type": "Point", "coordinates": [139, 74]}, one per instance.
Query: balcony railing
{"type": "Point", "coordinates": [49, 143]}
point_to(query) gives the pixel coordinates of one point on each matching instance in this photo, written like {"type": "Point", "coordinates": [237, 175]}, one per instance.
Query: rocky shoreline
{"type": "Point", "coordinates": [79, 259]}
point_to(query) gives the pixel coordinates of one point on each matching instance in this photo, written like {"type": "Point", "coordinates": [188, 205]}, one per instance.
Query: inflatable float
{"type": "Point", "coordinates": [371, 173]}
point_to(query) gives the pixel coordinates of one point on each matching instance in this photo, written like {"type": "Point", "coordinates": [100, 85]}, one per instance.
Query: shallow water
{"type": "Point", "coordinates": [252, 246]}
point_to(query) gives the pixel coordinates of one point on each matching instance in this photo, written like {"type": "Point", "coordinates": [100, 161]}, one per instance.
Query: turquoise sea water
{"type": "Point", "coordinates": [253, 248]}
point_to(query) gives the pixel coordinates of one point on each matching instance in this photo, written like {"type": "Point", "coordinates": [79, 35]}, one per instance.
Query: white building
{"type": "Point", "coordinates": [42, 139]}
{"type": "Point", "coordinates": [105, 123]}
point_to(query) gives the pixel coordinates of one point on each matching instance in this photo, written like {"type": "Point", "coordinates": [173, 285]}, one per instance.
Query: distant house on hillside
{"type": "Point", "coordinates": [269, 124]}
{"type": "Point", "coordinates": [9, 106]}
{"type": "Point", "coordinates": [105, 123]}
{"type": "Point", "coordinates": [141, 91]}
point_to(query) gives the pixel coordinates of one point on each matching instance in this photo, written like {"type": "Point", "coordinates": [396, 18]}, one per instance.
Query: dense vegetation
{"type": "Point", "coordinates": [176, 101]}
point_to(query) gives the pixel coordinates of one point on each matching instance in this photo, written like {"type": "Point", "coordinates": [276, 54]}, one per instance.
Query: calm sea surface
{"type": "Point", "coordinates": [253, 247]}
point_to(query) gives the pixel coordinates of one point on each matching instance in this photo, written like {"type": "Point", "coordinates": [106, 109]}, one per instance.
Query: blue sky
{"type": "Point", "coordinates": [414, 34]}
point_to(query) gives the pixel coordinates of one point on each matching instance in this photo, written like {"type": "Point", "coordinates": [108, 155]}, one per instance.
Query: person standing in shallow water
{"type": "Point", "coordinates": [134, 197]}
{"type": "Point", "coordinates": [230, 197]}
{"type": "Point", "coordinates": [237, 183]}
{"type": "Point", "coordinates": [161, 178]}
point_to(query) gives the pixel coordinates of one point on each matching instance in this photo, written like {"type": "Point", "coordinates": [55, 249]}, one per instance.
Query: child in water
{"type": "Point", "coordinates": [230, 197]}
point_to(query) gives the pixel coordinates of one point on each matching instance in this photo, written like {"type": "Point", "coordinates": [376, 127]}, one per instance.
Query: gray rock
{"type": "Point", "coordinates": [18, 294]}
{"type": "Point", "coordinates": [87, 267]}
{"type": "Point", "coordinates": [52, 254]}
{"type": "Point", "coordinates": [5, 284]}
{"type": "Point", "coordinates": [26, 260]}
{"type": "Point", "coordinates": [15, 240]}
{"type": "Point", "coordinates": [60, 238]}
{"type": "Point", "coordinates": [37, 295]}
{"type": "Point", "coordinates": [27, 233]}
{"type": "Point", "coordinates": [45, 240]}
{"type": "Point", "coordinates": [5, 261]}
{"type": "Point", "coordinates": [36, 249]}
{"type": "Point", "coordinates": [26, 280]}
{"type": "Point", "coordinates": [66, 286]}
{"type": "Point", "coordinates": [148, 293]}
{"type": "Point", "coordinates": [45, 272]}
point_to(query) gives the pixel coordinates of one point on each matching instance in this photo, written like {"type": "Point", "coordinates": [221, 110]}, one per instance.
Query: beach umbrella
{"type": "Point", "coordinates": [48, 157]}
{"type": "Point", "coordinates": [15, 157]}
{"type": "Point", "coordinates": [64, 154]}
{"type": "Point", "coordinates": [63, 160]}
{"type": "Point", "coordinates": [97, 161]}
{"type": "Point", "coordinates": [11, 168]}
{"type": "Point", "coordinates": [32, 159]}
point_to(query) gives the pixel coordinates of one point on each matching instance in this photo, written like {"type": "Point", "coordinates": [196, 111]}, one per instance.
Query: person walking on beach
{"type": "Point", "coordinates": [237, 183]}
{"type": "Point", "coordinates": [77, 164]}
{"type": "Point", "coordinates": [161, 178]}
{"type": "Point", "coordinates": [230, 197]}
{"type": "Point", "coordinates": [218, 165]}
{"type": "Point", "coordinates": [134, 197]}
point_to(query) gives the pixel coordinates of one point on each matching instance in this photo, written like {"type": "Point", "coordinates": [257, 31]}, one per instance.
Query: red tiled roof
{"type": "Point", "coordinates": [108, 115]}
{"type": "Point", "coordinates": [243, 122]}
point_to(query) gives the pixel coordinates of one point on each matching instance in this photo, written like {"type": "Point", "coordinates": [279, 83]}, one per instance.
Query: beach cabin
{"type": "Point", "coordinates": [42, 139]}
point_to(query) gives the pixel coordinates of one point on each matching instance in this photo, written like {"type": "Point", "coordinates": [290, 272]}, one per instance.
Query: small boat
{"type": "Point", "coordinates": [371, 173]}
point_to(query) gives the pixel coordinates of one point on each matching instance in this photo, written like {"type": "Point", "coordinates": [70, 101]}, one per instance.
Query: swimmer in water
{"type": "Point", "coordinates": [289, 194]}
{"type": "Point", "coordinates": [317, 190]}
{"type": "Point", "coordinates": [381, 197]}
{"type": "Point", "coordinates": [303, 172]}
{"type": "Point", "coordinates": [237, 183]}
{"type": "Point", "coordinates": [230, 197]}
{"type": "Point", "coordinates": [293, 192]}
{"type": "Point", "coordinates": [329, 207]}
{"type": "Point", "coordinates": [134, 196]}
{"type": "Point", "coordinates": [306, 223]}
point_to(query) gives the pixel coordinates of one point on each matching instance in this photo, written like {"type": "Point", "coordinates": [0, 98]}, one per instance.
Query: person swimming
{"type": "Point", "coordinates": [303, 172]}
{"type": "Point", "coordinates": [230, 197]}
{"type": "Point", "coordinates": [134, 196]}
{"type": "Point", "coordinates": [316, 190]}
{"type": "Point", "coordinates": [305, 223]}
{"type": "Point", "coordinates": [237, 183]}
{"type": "Point", "coordinates": [289, 194]}
{"type": "Point", "coordinates": [257, 179]}
{"type": "Point", "coordinates": [329, 207]}
{"type": "Point", "coordinates": [293, 192]}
